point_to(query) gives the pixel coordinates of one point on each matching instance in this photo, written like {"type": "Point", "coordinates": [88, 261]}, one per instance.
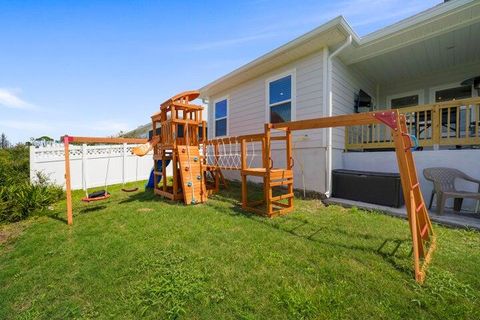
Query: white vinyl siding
{"type": "Point", "coordinates": [346, 82]}
{"type": "Point", "coordinates": [247, 102]}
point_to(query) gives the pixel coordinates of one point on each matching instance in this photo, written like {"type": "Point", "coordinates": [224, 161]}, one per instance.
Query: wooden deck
{"type": "Point", "coordinates": [451, 123]}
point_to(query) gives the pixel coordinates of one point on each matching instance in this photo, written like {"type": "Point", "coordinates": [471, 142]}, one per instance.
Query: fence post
{"type": "Point", "coordinates": [84, 166]}
{"type": "Point", "coordinates": [124, 164]}
{"type": "Point", "coordinates": [32, 161]}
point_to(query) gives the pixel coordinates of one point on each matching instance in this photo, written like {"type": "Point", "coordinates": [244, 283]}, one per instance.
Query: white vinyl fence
{"type": "Point", "coordinates": [88, 164]}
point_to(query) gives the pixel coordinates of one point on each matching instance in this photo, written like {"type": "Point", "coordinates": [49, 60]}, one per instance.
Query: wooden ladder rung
{"type": "Point", "coordinates": [283, 205]}
{"type": "Point", "coordinates": [420, 207]}
{"type": "Point", "coordinates": [424, 230]}
{"type": "Point", "coordinates": [282, 197]}
{"type": "Point", "coordinates": [281, 183]}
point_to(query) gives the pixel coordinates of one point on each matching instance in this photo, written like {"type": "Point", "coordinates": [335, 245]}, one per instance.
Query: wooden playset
{"type": "Point", "coordinates": [179, 137]}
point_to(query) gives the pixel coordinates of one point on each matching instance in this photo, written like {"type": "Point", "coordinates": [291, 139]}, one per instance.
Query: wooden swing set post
{"type": "Point", "coordinates": [75, 139]}
{"type": "Point", "coordinates": [68, 185]}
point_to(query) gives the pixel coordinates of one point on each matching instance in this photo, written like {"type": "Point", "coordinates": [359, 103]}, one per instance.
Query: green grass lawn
{"type": "Point", "coordinates": [137, 255]}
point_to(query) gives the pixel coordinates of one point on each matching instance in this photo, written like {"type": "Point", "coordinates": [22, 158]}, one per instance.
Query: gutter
{"type": "Point", "coordinates": [329, 140]}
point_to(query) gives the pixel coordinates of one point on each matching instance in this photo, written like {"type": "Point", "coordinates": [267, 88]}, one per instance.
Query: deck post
{"type": "Point", "coordinates": [436, 134]}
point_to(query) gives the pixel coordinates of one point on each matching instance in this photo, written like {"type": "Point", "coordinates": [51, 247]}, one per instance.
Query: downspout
{"type": "Point", "coordinates": [328, 173]}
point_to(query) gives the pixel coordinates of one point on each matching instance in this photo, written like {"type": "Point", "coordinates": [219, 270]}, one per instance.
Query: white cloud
{"type": "Point", "coordinates": [10, 98]}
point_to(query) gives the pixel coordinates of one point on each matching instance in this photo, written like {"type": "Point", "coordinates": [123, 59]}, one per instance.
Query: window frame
{"type": "Point", "coordinates": [420, 93]}
{"type": "Point", "coordinates": [433, 90]}
{"type": "Point", "coordinates": [292, 100]}
{"type": "Point", "coordinates": [227, 121]}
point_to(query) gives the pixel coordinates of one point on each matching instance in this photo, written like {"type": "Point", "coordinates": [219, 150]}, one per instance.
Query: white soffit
{"type": "Point", "coordinates": [441, 19]}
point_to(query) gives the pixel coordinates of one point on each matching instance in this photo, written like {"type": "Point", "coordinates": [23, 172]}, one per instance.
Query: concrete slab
{"type": "Point", "coordinates": [465, 220]}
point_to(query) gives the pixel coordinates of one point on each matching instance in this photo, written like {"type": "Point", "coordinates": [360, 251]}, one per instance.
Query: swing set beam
{"type": "Point", "coordinates": [75, 139]}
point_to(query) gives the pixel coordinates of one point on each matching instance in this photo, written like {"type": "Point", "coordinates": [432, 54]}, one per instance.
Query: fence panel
{"type": "Point", "coordinates": [89, 164]}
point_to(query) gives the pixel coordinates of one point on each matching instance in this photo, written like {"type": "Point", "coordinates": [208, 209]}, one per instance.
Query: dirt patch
{"type": "Point", "coordinates": [9, 232]}
{"type": "Point", "coordinates": [145, 210]}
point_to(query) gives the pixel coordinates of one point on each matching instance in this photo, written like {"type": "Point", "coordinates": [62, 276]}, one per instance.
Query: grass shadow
{"type": "Point", "coordinates": [309, 231]}
{"type": "Point", "coordinates": [92, 209]}
{"type": "Point", "coordinates": [56, 216]}
{"type": "Point", "coordinates": [145, 196]}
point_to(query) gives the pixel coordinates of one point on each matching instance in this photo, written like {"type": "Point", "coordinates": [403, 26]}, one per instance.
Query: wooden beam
{"type": "Point", "coordinates": [233, 139]}
{"type": "Point", "coordinates": [331, 122]}
{"type": "Point", "coordinates": [105, 140]}
{"type": "Point", "coordinates": [187, 106]}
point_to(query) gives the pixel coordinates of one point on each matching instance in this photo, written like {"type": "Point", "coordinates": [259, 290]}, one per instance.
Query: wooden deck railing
{"type": "Point", "coordinates": [448, 123]}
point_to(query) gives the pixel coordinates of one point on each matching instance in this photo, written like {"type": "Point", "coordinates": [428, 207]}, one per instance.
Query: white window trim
{"type": "Point", "coordinates": [420, 93]}
{"type": "Point", "coordinates": [434, 90]}
{"type": "Point", "coordinates": [293, 99]}
{"type": "Point", "coordinates": [226, 117]}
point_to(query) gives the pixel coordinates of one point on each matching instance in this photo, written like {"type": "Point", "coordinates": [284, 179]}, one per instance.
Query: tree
{"type": "Point", "coordinates": [4, 143]}
{"type": "Point", "coordinates": [44, 138]}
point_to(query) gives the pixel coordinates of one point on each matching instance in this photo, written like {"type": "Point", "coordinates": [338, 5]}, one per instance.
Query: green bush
{"type": "Point", "coordinates": [18, 197]}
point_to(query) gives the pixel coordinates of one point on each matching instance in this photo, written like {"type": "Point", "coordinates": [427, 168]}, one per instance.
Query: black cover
{"type": "Point", "coordinates": [97, 194]}
{"type": "Point", "coordinates": [383, 188]}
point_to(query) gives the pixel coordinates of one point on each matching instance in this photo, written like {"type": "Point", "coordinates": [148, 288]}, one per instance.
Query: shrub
{"type": "Point", "coordinates": [19, 198]}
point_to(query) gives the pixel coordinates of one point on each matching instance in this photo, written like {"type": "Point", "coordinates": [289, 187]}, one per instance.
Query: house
{"type": "Point", "coordinates": [418, 65]}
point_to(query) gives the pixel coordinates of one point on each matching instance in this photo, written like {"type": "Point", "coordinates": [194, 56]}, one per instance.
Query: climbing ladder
{"type": "Point", "coordinates": [191, 173]}
{"type": "Point", "coordinates": [423, 238]}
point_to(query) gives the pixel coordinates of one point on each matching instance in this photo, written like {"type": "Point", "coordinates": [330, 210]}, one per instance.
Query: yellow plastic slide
{"type": "Point", "coordinates": [145, 148]}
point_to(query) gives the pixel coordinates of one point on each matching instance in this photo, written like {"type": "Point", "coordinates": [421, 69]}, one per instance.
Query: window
{"type": "Point", "coordinates": [280, 99]}
{"type": "Point", "coordinates": [221, 114]}
{"type": "Point", "coordinates": [450, 92]}
{"type": "Point", "coordinates": [456, 93]}
{"type": "Point", "coordinates": [407, 99]}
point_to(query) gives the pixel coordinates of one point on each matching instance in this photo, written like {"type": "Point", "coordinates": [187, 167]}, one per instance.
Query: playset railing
{"type": "Point", "coordinates": [451, 123]}
{"type": "Point", "coordinates": [239, 152]}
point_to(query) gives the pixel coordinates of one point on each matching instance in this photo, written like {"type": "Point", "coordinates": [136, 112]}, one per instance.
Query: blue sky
{"type": "Point", "coordinates": [98, 67]}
